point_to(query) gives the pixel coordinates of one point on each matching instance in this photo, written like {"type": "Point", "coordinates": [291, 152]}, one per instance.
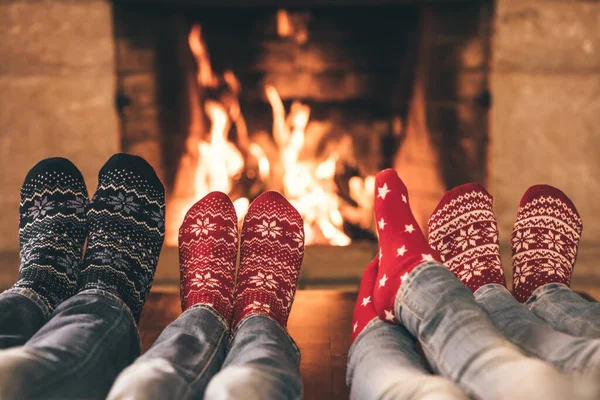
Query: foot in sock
{"type": "Point", "coordinates": [463, 230]}
{"type": "Point", "coordinates": [364, 310]}
{"type": "Point", "coordinates": [402, 246]}
{"type": "Point", "coordinates": [52, 231]}
{"type": "Point", "coordinates": [208, 244]}
{"type": "Point", "coordinates": [544, 240]}
{"type": "Point", "coordinates": [271, 254]}
{"type": "Point", "coordinates": [126, 220]}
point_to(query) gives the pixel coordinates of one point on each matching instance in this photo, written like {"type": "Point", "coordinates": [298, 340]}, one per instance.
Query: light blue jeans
{"type": "Point", "coordinates": [565, 310]}
{"type": "Point", "coordinates": [535, 337]}
{"type": "Point", "coordinates": [462, 343]}
{"type": "Point", "coordinates": [190, 360]}
{"type": "Point", "coordinates": [92, 337]}
{"type": "Point", "coordinates": [384, 363]}
{"type": "Point", "coordinates": [88, 340]}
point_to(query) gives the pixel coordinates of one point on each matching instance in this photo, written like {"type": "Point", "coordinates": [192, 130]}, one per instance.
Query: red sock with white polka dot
{"type": "Point", "coordinates": [364, 310]}
{"type": "Point", "coordinates": [402, 245]}
{"type": "Point", "coordinates": [271, 254]}
{"type": "Point", "coordinates": [208, 244]}
{"type": "Point", "coordinates": [544, 240]}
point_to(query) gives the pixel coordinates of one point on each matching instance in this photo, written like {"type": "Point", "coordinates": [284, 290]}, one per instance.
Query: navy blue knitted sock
{"type": "Point", "coordinates": [52, 231]}
{"type": "Point", "coordinates": [126, 220]}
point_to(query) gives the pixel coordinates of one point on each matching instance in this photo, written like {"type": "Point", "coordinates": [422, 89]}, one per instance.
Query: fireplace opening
{"type": "Point", "coordinates": [310, 101]}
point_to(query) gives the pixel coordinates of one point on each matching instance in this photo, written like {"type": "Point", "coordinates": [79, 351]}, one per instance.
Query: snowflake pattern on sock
{"type": "Point", "coordinates": [464, 232]}
{"type": "Point", "coordinates": [271, 255]}
{"type": "Point", "coordinates": [544, 240]}
{"type": "Point", "coordinates": [52, 231]}
{"type": "Point", "coordinates": [402, 246]}
{"type": "Point", "coordinates": [126, 220]}
{"type": "Point", "coordinates": [208, 245]}
{"type": "Point", "coordinates": [364, 309]}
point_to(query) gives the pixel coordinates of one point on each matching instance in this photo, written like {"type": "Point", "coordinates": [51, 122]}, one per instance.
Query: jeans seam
{"type": "Point", "coordinates": [86, 360]}
{"type": "Point", "coordinates": [212, 356]}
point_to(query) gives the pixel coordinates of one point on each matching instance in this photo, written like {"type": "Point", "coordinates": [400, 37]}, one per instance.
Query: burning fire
{"type": "Point", "coordinates": [279, 161]}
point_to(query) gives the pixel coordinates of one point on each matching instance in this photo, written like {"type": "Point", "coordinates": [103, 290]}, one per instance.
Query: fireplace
{"type": "Point", "coordinates": [382, 83]}
{"type": "Point", "coordinates": [310, 101]}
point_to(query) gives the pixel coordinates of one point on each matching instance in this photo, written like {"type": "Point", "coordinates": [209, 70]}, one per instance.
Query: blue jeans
{"type": "Point", "coordinates": [190, 360]}
{"type": "Point", "coordinates": [534, 336]}
{"type": "Point", "coordinates": [89, 339]}
{"type": "Point", "coordinates": [462, 343]}
{"type": "Point", "coordinates": [565, 310]}
{"type": "Point", "coordinates": [384, 363]}
{"type": "Point", "coordinates": [20, 318]}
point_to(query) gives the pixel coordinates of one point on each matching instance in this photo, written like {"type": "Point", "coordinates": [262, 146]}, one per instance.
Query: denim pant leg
{"type": "Point", "coordinates": [86, 343]}
{"type": "Point", "coordinates": [263, 363]}
{"type": "Point", "coordinates": [534, 336]}
{"type": "Point", "coordinates": [179, 365]}
{"type": "Point", "coordinates": [384, 364]}
{"type": "Point", "coordinates": [461, 342]}
{"type": "Point", "coordinates": [565, 310]}
{"type": "Point", "coordinates": [20, 317]}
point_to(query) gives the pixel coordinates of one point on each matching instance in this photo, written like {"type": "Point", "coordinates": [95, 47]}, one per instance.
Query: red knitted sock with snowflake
{"type": "Point", "coordinates": [271, 254]}
{"type": "Point", "coordinates": [208, 243]}
{"type": "Point", "coordinates": [464, 232]}
{"type": "Point", "coordinates": [402, 245]}
{"type": "Point", "coordinates": [544, 240]}
{"type": "Point", "coordinates": [364, 310]}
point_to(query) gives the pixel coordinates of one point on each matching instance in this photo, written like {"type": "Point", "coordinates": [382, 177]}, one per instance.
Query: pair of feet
{"type": "Point", "coordinates": [463, 234]}
{"type": "Point", "coordinates": [123, 225]}
{"type": "Point", "coordinates": [271, 252]}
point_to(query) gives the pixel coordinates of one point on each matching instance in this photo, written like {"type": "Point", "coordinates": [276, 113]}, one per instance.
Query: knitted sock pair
{"type": "Point", "coordinates": [272, 248]}
{"type": "Point", "coordinates": [123, 223]}
{"type": "Point", "coordinates": [463, 234]}
{"type": "Point", "coordinates": [544, 240]}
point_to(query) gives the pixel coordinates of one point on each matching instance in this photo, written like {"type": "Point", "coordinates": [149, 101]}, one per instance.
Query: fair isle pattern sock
{"type": "Point", "coordinates": [126, 224]}
{"type": "Point", "coordinates": [51, 232]}
{"type": "Point", "coordinates": [364, 310]}
{"type": "Point", "coordinates": [208, 244]}
{"type": "Point", "coordinates": [544, 240]}
{"type": "Point", "coordinates": [271, 254]}
{"type": "Point", "coordinates": [464, 232]}
{"type": "Point", "coordinates": [402, 246]}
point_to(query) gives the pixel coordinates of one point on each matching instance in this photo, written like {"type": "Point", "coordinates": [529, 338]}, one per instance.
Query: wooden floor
{"type": "Point", "coordinates": [320, 324]}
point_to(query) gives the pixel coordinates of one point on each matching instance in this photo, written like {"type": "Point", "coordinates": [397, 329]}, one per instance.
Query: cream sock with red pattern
{"type": "Point", "coordinates": [271, 254]}
{"type": "Point", "coordinates": [364, 310]}
{"type": "Point", "coordinates": [544, 240]}
{"type": "Point", "coordinates": [208, 244]}
{"type": "Point", "coordinates": [402, 246]}
{"type": "Point", "coordinates": [463, 230]}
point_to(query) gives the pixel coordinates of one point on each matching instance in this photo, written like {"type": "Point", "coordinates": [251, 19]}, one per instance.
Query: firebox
{"type": "Point", "coordinates": [310, 100]}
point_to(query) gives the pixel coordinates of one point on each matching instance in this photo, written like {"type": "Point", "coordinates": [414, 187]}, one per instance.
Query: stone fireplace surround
{"type": "Point", "coordinates": [58, 85]}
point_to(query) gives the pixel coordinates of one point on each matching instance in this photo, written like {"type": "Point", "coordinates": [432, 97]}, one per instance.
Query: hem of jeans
{"type": "Point", "coordinates": [40, 301]}
{"type": "Point", "coordinates": [405, 286]}
{"type": "Point", "coordinates": [239, 324]}
{"type": "Point", "coordinates": [118, 300]}
{"type": "Point", "coordinates": [212, 311]}
{"type": "Point", "coordinates": [487, 287]}
{"type": "Point", "coordinates": [363, 333]}
{"type": "Point", "coordinates": [544, 290]}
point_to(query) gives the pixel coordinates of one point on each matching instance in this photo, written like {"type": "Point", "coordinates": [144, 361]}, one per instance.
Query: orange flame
{"type": "Point", "coordinates": [307, 182]}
